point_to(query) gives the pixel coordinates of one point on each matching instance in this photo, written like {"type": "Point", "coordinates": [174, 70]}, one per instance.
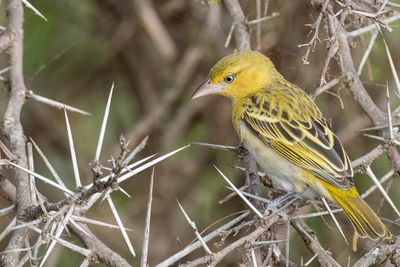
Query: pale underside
{"type": "Point", "coordinates": [284, 174]}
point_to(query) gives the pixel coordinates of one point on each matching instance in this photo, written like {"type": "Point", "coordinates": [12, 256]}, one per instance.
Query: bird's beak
{"type": "Point", "coordinates": [207, 88]}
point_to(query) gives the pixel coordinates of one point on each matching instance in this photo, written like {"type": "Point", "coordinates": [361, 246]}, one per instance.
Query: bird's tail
{"type": "Point", "coordinates": [363, 218]}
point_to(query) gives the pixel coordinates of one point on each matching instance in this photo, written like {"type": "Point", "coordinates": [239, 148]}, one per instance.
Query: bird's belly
{"type": "Point", "coordinates": [284, 174]}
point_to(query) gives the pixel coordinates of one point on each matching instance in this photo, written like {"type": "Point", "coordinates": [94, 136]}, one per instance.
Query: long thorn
{"type": "Point", "coordinates": [96, 222]}
{"type": "Point", "coordinates": [55, 104]}
{"type": "Point", "coordinates": [44, 179]}
{"type": "Point", "coordinates": [48, 165]}
{"type": "Point", "coordinates": [187, 250]}
{"type": "Point", "coordinates": [239, 193]}
{"type": "Point", "coordinates": [380, 187]}
{"type": "Point", "coordinates": [125, 170]}
{"type": "Point", "coordinates": [104, 124]}
{"type": "Point", "coordinates": [149, 164]}
{"type": "Point", "coordinates": [392, 67]}
{"type": "Point", "coordinates": [137, 149]}
{"type": "Point", "coordinates": [385, 177]}
{"type": "Point", "coordinates": [196, 232]}
{"type": "Point", "coordinates": [146, 236]}
{"type": "Point", "coordinates": [121, 226]}
{"type": "Point", "coordinates": [72, 150]}
{"type": "Point", "coordinates": [34, 9]}
{"type": "Point", "coordinates": [389, 112]}
{"type": "Point", "coordinates": [31, 167]}
{"type": "Point", "coordinates": [334, 219]}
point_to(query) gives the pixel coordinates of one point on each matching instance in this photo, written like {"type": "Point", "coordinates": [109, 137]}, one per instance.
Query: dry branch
{"type": "Point", "coordinates": [241, 33]}
{"type": "Point", "coordinates": [11, 125]}
{"type": "Point", "coordinates": [63, 214]}
{"type": "Point", "coordinates": [185, 69]}
{"type": "Point", "coordinates": [100, 251]}
{"type": "Point", "coordinates": [311, 241]}
{"type": "Point", "coordinates": [380, 254]}
{"type": "Point", "coordinates": [155, 28]}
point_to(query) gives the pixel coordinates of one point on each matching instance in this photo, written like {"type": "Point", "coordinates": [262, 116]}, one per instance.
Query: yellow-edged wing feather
{"type": "Point", "coordinates": [290, 122]}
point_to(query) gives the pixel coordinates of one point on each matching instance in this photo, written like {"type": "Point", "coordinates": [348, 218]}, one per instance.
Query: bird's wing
{"type": "Point", "coordinates": [295, 128]}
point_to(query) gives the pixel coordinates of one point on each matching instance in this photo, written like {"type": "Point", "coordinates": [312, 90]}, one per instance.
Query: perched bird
{"type": "Point", "coordinates": [288, 136]}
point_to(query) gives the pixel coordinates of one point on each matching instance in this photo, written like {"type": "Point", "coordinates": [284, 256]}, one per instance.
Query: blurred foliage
{"type": "Point", "coordinates": [86, 45]}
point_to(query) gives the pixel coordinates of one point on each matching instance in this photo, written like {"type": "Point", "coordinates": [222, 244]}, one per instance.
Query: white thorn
{"type": "Point", "coordinates": [239, 193]}
{"type": "Point", "coordinates": [121, 226]}
{"type": "Point", "coordinates": [104, 124]}
{"type": "Point", "coordinates": [334, 219]}
{"type": "Point", "coordinates": [73, 154]}
{"type": "Point", "coordinates": [380, 187]}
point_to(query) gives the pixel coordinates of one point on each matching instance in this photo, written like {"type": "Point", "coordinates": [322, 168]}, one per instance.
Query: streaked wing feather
{"type": "Point", "coordinates": [301, 136]}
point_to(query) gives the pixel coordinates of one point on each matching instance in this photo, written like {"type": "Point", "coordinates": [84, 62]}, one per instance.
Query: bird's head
{"type": "Point", "coordinates": [238, 75]}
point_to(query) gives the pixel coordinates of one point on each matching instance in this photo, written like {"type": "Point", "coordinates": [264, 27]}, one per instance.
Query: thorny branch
{"type": "Point", "coordinates": [338, 45]}
{"type": "Point", "coordinates": [262, 230]}
{"type": "Point", "coordinates": [311, 241]}
{"type": "Point", "coordinates": [12, 127]}
{"type": "Point", "coordinates": [100, 251]}
{"type": "Point", "coordinates": [242, 36]}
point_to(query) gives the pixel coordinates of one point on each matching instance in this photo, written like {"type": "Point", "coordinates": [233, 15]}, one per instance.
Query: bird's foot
{"type": "Point", "coordinates": [285, 198]}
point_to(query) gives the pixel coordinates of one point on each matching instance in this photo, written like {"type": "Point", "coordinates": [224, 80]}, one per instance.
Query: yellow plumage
{"type": "Point", "coordinates": [288, 136]}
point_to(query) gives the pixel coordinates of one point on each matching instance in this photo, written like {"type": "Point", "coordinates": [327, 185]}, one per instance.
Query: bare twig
{"type": "Point", "coordinates": [155, 29]}
{"type": "Point", "coordinates": [100, 251]}
{"type": "Point", "coordinates": [378, 254]}
{"type": "Point", "coordinates": [311, 241]}
{"type": "Point", "coordinates": [182, 253]}
{"type": "Point", "coordinates": [373, 26]}
{"type": "Point", "coordinates": [72, 150]}
{"type": "Point", "coordinates": [326, 86]}
{"type": "Point", "coordinates": [31, 95]}
{"type": "Point", "coordinates": [364, 161]}
{"type": "Point", "coordinates": [315, 27]}
{"type": "Point", "coordinates": [242, 37]}
{"type": "Point", "coordinates": [196, 232]}
{"type": "Point", "coordinates": [240, 194]}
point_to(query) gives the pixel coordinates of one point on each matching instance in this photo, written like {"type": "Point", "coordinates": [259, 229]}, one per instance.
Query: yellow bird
{"type": "Point", "coordinates": [288, 136]}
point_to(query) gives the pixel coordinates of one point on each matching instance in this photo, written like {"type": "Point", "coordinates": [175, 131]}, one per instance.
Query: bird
{"type": "Point", "coordinates": [288, 136]}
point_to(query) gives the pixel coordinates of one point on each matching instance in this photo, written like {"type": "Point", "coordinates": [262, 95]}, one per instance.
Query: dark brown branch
{"type": "Point", "coordinates": [12, 127]}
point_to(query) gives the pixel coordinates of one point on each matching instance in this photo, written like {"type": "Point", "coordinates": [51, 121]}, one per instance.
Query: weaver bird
{"type": "Point", "coordinates": [286, 133]}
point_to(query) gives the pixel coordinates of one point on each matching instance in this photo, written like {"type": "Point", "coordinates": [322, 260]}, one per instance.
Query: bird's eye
{"type": "Point", "coordinates": [229, 78]}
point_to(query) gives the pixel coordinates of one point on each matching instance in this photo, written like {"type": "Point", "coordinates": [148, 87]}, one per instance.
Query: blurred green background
{"type": "Point", "coordinates": [85, 46]}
